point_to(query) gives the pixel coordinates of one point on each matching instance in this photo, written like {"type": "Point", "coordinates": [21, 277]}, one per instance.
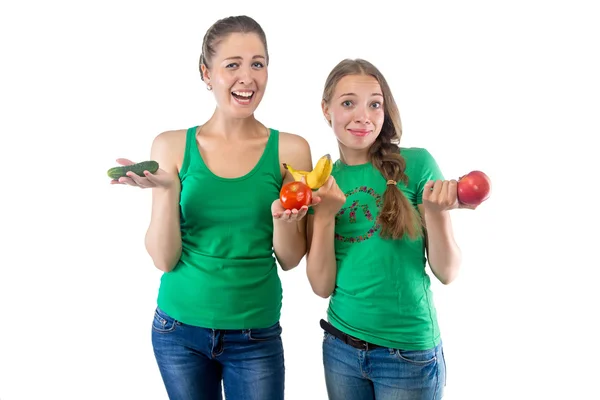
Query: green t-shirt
{"type": "Point", "coordinates": [227, 275]}
{"type": "Point", "coordinates": [382, 293]}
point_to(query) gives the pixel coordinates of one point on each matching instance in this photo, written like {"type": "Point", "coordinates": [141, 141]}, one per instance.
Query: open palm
{"type": "Point", "coordinates": [159, 179]}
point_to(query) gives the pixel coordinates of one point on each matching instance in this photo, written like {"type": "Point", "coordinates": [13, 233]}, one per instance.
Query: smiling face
{"type": "Point", "coordinates": [238, 74]}
{"type": "Point", "coordinates": [355, 112]}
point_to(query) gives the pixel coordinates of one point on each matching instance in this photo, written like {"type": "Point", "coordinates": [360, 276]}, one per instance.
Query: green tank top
{"type": "Point", "coordinates": [227, 275]}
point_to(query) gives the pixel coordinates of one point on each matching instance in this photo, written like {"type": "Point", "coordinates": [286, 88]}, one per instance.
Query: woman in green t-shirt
{"type": "Point", "coordinates": [383, 214]}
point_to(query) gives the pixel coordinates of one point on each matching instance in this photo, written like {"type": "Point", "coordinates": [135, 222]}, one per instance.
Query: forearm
{"type": "Point", "coordinates": [163, 237]}
{"type": "Point", "coordinates": [443, 253]}
{"type": "Point", "coordinates": [321, 266]}
{"type": "Point", "coordinates": [289, 242]}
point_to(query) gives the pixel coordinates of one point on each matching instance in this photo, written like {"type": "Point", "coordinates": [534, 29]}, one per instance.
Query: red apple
{"type": "Point", "coordinates": [474, 188]}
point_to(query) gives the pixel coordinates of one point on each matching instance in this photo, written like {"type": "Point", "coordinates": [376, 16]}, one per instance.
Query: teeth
{"type": "Point", "coordinates": [244, 94]}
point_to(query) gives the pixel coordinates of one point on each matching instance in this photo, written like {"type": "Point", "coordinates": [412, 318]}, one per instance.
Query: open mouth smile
{"type": "Point", "coordinates": [243, 97]}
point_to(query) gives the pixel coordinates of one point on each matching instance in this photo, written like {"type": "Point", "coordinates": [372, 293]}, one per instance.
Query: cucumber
{"type": "Point", "coordinates": [137, 168]}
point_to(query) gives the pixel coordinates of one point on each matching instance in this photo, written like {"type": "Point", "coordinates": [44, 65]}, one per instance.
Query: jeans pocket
{"type": "Point", "coordinates": [265, 334]}
{"type": "Point", "coordinates": [418, 357]}
{"type": "Point", "coordinates": [444, 359]}
{"type": "Point", "coordinates": [163, 323]}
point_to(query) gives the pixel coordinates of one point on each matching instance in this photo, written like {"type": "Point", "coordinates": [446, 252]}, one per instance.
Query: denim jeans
{"type": "Point", "coordinates": [382, 373]}
{"type": "Point", "coordinates": [194, 361]}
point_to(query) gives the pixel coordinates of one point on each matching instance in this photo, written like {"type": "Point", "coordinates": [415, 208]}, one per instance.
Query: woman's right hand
{"type": "Point", "coordinates": [159, 179]}
{"type": "Point", "coordinates": [331, 199]}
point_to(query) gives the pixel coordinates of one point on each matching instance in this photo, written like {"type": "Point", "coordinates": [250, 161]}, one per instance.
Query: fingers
{"type": "Point", "coordinates": [428, 186]}
{"type": "Point", "coordinates": [301, 213]}
{"type": "Point", "coordinates": [427, 190]}
{"type": "Point", "coordinates": [147, 180]}
{"type": "Point", "coordinates": [139, 180]}
{"type": "Point", "coordinates": [432, 190]}
{"type": "Point", "coordinates": [291, 215]}
{"type": "Point", "coordinates": [154, 178]}
{"type": "Point", "coordinates": [133, 179]}
{"type": "Point", "coordinates": [467, 206]}
{"type": "Point", "coordinates": [125, 180]}
{"type": "Point", "coordinates": [452, 193]}
{"type": "Point", "coordinates": [443, 191]}
{"type": "Point", "coordinates": [441, 195]}
{"type": "Point", "coordinates": [286, 215]}
{"type": "Point", "coordinates": [124, 161]}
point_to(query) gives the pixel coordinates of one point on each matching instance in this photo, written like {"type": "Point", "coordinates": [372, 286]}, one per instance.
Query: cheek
{"type": "Point", "coordinates": [378, 119]}
{"type": "Point", "coordinates": [340, 118]}
{"type": "Point", "coordinates": [339, 125]}
{"type": "Point", "coordinates": [222, 80]}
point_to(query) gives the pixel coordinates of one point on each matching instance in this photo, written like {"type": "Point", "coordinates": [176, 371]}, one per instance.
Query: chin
{"type": "Point", "coordinates": [358, 143]}
{"type": "Point", "coordinates": [241, 114]}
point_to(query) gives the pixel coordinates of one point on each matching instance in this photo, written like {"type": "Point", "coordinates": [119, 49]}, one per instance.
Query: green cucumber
{"type": "Point", "coordinates": [137, 168]}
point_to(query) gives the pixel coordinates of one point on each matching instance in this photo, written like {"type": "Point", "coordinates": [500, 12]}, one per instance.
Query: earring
{"type": "Point", "coordinates": [209, 87]}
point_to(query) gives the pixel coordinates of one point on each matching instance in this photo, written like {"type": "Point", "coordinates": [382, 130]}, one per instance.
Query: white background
{"type": "Point", "coordinates": [510, 88]}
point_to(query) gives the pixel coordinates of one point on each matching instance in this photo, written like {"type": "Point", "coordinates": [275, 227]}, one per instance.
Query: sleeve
{"type": "Point", "coordinates": [430, 171]}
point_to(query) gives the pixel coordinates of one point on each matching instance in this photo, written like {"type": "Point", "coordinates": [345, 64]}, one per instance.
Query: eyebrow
{"type": "Point", "coordinates": [241, 58]}
{"type": "Point", "coordinates": [354, 94]}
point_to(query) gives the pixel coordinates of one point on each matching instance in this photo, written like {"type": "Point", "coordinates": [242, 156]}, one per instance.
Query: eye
{"type": "Point", "coordinates": [258, 64]}
{"type": "Point", "coordinates": [376, 104]}
{"type": "Point", "coordinates": [231, 65]}
{"type": "Point", "coordinates": [346, 103]}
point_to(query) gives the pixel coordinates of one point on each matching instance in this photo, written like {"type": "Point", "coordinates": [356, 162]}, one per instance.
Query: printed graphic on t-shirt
{"type": "Point", "coordinates": [358, 222]}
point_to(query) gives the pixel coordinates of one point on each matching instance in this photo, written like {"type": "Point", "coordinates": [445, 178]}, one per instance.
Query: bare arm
{"type": "Point", "coordinates": [321, 264]}
{"type": "Point", "coordinates": [443, 253]}
{"type": "Point", "coordinates": [163, 237]}
{"type": "Point", "coordinates": [289, 238]}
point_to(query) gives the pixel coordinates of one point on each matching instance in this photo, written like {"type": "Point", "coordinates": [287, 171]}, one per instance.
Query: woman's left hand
{"type": "Point", "coordinates": [441, 196]}
{"type": "Point", "coordinates": [293, 215]}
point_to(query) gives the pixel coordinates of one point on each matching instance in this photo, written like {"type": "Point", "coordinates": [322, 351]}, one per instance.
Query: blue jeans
{"type": "Point", "coordinates": [382, 373]}
{"type": "Point", "coordinates": [194, 361]}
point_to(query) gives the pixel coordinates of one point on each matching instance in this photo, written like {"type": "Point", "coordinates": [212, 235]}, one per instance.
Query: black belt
{"type": "Point", "coordinates": [345, 338]}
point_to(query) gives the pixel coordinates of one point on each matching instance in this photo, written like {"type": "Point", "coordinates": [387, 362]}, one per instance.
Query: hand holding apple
{"type": "Point", "coordinates": [294, 199]}
{"type": "Point", "coordinates": [440, 195]}
{"type": "Point", "coordinates": [469, 192]}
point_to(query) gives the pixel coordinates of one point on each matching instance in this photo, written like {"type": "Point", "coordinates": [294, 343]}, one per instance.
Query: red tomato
{"type": "Point", "coordinates": [295, 195]}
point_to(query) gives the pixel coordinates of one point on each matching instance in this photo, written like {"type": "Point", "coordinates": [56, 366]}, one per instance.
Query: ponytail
{"type": "Point", "coordinates": [397, 216]}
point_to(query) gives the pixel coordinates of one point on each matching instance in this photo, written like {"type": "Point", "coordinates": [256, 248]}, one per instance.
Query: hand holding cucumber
{"type": "Point", "coordinates": [145, 174]}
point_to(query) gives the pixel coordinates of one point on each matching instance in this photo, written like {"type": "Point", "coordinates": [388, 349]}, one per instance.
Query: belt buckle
{"type": "Point", "coordinates": [361, 343]}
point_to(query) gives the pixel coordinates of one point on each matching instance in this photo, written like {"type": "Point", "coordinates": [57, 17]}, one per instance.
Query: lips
{"type": "Point", "coordinates": [359, 132]}
{"type": "Point", "coordinates": [243, 96]}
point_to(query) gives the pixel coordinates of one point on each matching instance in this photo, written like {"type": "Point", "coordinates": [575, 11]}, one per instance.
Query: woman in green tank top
{"type": "Point", "coordinates": [217, 230]}
{"type": "Point", "coordinates": [383, 210]}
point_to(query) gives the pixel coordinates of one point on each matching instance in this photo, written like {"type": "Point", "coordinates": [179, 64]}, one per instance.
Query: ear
{"type": "Point", "coordinates": [205, 74]}
{"type": "Point", "coordinates": [325, 109]}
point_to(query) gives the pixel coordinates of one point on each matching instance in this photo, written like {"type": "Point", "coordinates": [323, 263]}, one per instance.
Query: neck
{"type": "Point", "coordinates": [353, 156]}
{"type": "Point", "coordinates": [233, 128]}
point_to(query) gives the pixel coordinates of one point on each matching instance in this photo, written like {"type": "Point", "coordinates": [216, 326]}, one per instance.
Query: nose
{"type": "Point", "coordinates": [361, 116]}
{"type": "Point", "coordinates": [245, 76]}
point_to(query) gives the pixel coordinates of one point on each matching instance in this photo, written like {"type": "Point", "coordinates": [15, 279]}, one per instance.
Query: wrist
{"type": "Point", "coordinates": [434, 213]}
{"type": "Point", "coordinates": [167, 192]}
{"type": "Point", "coordinates": [436, 219]}
{"type": "Point", "coordinates": [323, 220]}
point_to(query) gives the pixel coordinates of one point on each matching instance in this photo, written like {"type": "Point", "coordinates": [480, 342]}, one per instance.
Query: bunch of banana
{"type": "Point", "coordinates": [318, 176]}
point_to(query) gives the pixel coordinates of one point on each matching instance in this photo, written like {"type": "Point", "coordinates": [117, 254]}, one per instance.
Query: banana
{"type": "Point", "coordinates": [297, 174]}
{"type": "Point", "coordinates": [318, 176]}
